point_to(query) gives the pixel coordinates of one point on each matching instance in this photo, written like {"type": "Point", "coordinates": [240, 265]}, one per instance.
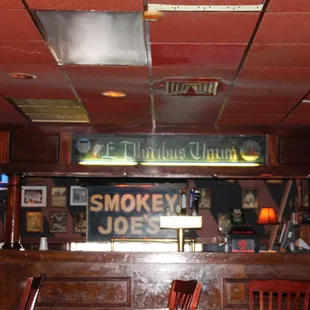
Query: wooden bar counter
{"type": "Point", "coordinates": [119, 280]}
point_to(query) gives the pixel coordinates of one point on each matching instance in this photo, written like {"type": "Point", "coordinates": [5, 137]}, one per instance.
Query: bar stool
{"type": "Point", "coordinates": [289, 293]}
{"type": "Point", "coordinates": [184, 294]}
{"type": "Point", "coordinates": [31, 292]}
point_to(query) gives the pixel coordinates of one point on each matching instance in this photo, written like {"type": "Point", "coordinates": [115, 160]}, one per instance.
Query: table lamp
{"type": "Point", "coordinates": [180, 223]}
{"type": "Point", "coordinates": [267, 217]}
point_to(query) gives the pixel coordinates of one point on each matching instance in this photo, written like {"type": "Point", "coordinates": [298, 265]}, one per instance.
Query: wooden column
{"type": "Point", "coordinates": [13, 214]}
{"type": "Point", "coordinates": [4, 147]}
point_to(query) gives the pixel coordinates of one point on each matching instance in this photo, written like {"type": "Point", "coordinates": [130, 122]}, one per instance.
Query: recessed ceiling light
{"type": "Point", "coordinates": [22, 76]}
{"type": "Point", "coordinates": [153, 16]}
{"type": "Point", "coordinates": [114, 94]}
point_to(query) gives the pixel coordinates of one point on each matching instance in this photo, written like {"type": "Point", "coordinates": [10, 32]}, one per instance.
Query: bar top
{"type": "Point", "coordinates": [154, 257]}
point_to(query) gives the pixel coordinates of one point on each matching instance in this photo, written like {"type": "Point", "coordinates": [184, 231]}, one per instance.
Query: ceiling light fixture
{"type": "Point", "coordinates": [153, 16]}
{"type": "Point", "coordinates": [114, 94]}
{"type": "Point", "coordinates": [22, 76]}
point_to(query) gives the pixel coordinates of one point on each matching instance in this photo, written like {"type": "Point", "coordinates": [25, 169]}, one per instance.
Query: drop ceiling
{"type": "Point", "coordinates": [78, 49]}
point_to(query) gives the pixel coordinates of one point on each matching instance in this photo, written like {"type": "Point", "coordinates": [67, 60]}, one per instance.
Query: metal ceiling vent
{"type": "Point", "coordinates": [52, 110]}
{"type": "Point", "coordinates": [192, 87]}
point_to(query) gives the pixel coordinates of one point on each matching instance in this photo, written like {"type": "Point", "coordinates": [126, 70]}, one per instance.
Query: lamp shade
{"type": "Point", "coordinates": [267, 216]}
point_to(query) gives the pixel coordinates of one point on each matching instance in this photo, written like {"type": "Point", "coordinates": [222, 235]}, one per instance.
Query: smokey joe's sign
{"type": "Point", "coordinates": [168, 149]}
{"type": "Point", "coordinates": [129, 212]}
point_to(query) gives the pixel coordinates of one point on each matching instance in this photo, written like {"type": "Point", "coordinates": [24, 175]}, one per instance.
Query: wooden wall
{"type": "Point", "coordinates": [140, 281]}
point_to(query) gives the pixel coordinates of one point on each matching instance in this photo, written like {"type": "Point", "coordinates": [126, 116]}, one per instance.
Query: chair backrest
{"type": "Point", "coordinates": [279, 294]}
{"type": "Point", "coordinates": [31, 292]}
{"type": "Point", "coordinates": [184, 294]}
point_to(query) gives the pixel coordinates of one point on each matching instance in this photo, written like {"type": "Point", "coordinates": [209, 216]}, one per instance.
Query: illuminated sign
{"type": "Point", "coordinates": [168, 150]}
{"type": "Point", "coordinates": [129, 211]}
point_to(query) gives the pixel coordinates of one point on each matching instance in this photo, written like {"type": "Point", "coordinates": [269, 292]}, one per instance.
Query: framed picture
{"type": "Point", "coordinates": [33, 196]}
{"type": "Point", "coordinates": [224, 223]}
{"type": "Point", "coordinates": [250, 198]}
{"type": "Point", "coordinates": [78, 196]}
{"type": "Point", "coordinates": [34, 221]}
{"type": "Point", "coordinates": [58, 197]}
{"type": "Point", "coordinates": [58, 222]}
{"type": "Point", "coordinates": [79, 222]}
{"type": "Point", "coordinates": [205, 198]}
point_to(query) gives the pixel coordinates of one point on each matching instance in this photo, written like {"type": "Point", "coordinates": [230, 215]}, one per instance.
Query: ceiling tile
{"type": "Point", "coordinates": [17, 25]}
{"type": "Point", "coordinates": [207, 55]}
{"type": "Point", "coordinates": [49, 83]}
{"type": "Point", "coordinates": [187, 110]}
{"type": "Point", "coordinates": [297, 120]}
{"type": "Point", "coordinates": [265, 94]}
{"type": "Point", "coordinates": [90, 81]}
{"type": "Point", "coordinates": [303, 108]}
{"type": "Point", "coordinates": [284, 28]}
{"type": "Point", "coordinates": [109, 38]}
{"type": "Point", "coordinates": [250, 119]}
{"type": "Point", "coordinates": [278, 55]}
{"type": "Point", "coordinates": [11, 4]}
{"type": "Point", "coordinates": [9, 114]}
{"type": "Point", "coordinates": [127, 112]}
{"type": "Point", "coordinates": [25, 52]}
{"type": "Point", "coordinates": [198, 27]}
{"type": "Point", "coordinates": [89, 5]}
{"type": "Point", "coordinates": [289, 6]}
{"type": "Point", "coordinates": [208, 2]}
{"type": "Point", "coordinates": [258, 108]}
{"type": "Point", "coordinates": [271, 85]}
{"type": "Point", "coordinates": [226, 75]}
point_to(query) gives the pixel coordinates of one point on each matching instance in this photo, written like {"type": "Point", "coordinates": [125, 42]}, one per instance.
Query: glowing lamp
{"type": "Point", "coordinates": [267, 216]}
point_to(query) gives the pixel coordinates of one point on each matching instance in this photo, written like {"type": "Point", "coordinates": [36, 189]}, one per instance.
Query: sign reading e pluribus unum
{"type": "Point", "coordinates": [168, 150]}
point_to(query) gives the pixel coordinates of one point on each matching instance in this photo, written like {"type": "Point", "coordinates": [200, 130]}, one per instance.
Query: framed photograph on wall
{"type": "Point", "coordinates": [79, 222]}
{"type": "Point", "coordinates": [58, 197]}
{"type": "Point", "coordinates": [250, 198]}
{"type": "Point", "coordinates": [33, 196]}
{"type": "Point", "coordinates": [34, 221]}
{"type": "Point", "coordinates": [58, 222]}
{"type": "Point", "coordinates": [205, 198]}
{"type": "Point", "coordinates": [78, 196]}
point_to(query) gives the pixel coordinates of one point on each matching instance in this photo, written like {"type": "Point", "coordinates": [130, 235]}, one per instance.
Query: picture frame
{"type": "Point", "coordinates": [34, 221]}
{"type": "Point", "coordinates": [205, 198]}
{"type": "Point", "coordinates": [250, 198]}
{"type": "Point", "coordinates": [79, 222]}
{"type": "Point", "coordinates": [58, 197]}
{"type": "Point", "coordinates": [58, 221]}
{"type": "Point", "coordinates": [33, 196]}
{"type": "Point", "coordinates": [78, 196]}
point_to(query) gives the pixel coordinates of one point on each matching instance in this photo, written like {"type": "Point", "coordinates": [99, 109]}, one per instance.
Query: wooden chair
{"type": "Point", "coordinates": [31, 292]}
{"type": "Point", "coordinates": [184, 294]}
{"type": "Point", "coordinates": [286, 294]}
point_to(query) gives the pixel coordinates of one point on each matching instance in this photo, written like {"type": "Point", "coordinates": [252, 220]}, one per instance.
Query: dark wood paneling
{"type": "Point", "coordinates": [295, 150]}
{"type": "Point", "coordinates": [80, 292]}
{"type": "Point", "coordinates": [34, 147]}
{"type": "Point", "coordinates": [235, 293]}
{"type": "Point", "coordinates": [81, 280]}
{"type": "Point", "coordinates": [4, 147]}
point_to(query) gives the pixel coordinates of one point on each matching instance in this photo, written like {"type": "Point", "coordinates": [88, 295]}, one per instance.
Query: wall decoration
{"type": "Point", "coordinates": [58, 222]}
{"type": "Point", "coordinates": [58, 197]}
{"type": "Point", "coordinates": [79, 222]}
{"type": "Point", "coordinates": [33, 196]}
{"type": "Point", "coordinates": [78, 196]}
{"type": "Point", "coordinates": [205, 198]}
{"type": "Point", "coordinates": [250, 198]}
{"type": "Point", "coordinates": [224, 223]}
{"type": "Point", "coordinates": [130, 212]}
{"type": "Point", "coordinates": [34, 221]}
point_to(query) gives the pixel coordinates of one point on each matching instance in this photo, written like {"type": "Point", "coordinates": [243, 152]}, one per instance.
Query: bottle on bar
{"type": "Point", "coordinates": [196, 203]}
{"type": "Point", "coordinates": [183, 202]}
{"type": "Point", "coordinates": [191, 200]}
